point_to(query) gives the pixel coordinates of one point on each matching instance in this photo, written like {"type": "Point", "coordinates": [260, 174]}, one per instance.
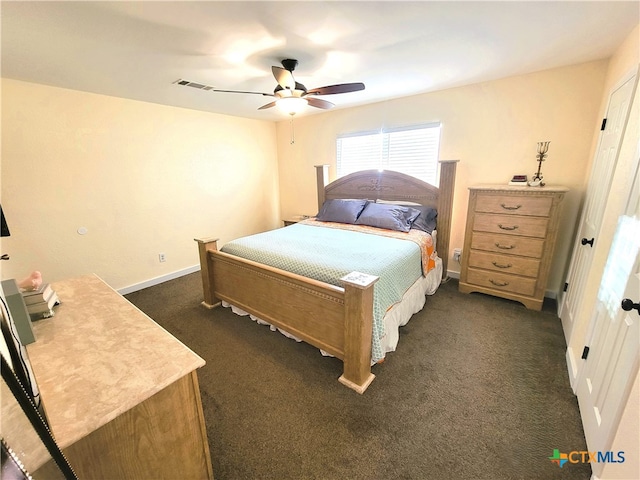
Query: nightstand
{"type": "Point", "coordinates": [509, 240]}
{"type": "Point", "coordinates": [295, 219]}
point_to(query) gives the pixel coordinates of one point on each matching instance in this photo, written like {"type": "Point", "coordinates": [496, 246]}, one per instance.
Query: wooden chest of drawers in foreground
{"type": "Point", "coordinates": [509, 240]}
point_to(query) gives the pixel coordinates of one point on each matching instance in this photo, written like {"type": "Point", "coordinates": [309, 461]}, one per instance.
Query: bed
{"type": "Point", "coordinates": [340, 318]}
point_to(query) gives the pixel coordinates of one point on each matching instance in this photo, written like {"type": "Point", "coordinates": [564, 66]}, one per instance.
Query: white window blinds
{"type": "Point", "coordinates": [411, 150]}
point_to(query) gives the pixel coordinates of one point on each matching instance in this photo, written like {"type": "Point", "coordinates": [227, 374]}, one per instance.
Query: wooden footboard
{"type": "Point", "coordinates": [336, 320]}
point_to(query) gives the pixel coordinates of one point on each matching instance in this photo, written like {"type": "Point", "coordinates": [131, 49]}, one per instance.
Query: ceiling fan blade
{"type": "Point", "coordinates": [268, 105]}
{"type": "Point", "coordinates": [340, 88]}
{"type": "Point", "coordinates": [319, 103]}
{"type": "Point", "coordinates": [242, 91]}
{"type": "Point", "coordinates": [284, 77]}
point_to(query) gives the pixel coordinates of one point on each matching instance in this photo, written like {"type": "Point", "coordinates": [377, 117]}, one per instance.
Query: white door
{"type": "Point", "coordinates": [614, 346]}
{"type": "Point", "coordinates": [596, 196]}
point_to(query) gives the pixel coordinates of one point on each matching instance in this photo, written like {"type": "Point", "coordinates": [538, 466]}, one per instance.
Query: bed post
{"type": "Point", "coordinates": [322, 179]}
{"type": "Point", "coordinates": [206, 271]}
{"type": "Point", "coordinates": [358, 329]}
{"type": "Point", "coordinates": [445, 209]}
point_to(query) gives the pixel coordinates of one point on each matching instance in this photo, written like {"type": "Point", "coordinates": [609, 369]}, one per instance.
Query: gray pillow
{"type": "Point", "coordinates": [426, 221]}
{"type": "Point", "coordinates": [341, 211]}
{"type": "Point", "coordinates": [390, 217]}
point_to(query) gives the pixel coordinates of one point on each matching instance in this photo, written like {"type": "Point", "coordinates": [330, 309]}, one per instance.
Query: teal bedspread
{"type": "Point", "coordinates": [327, 254]}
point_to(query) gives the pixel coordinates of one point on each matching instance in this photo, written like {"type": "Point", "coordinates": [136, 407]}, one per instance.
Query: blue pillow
{"type": "Point", "coordinates": [341, 211]}
{"type": "Point", "coordinates": [390, 217]}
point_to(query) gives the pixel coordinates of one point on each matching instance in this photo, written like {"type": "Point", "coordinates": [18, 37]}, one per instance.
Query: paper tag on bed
{"type": "Point", "coordinates": [359, 279]}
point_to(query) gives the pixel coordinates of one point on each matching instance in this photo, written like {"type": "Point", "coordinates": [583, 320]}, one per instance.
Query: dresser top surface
{"type": "Point", "coordinates": [99, 356]}
{"type": "Point", "coordinates": [518, 188]}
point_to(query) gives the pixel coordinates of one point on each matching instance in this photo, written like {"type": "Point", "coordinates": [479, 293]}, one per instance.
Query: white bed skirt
{"type": "Point", "coordinates": [397, 316]}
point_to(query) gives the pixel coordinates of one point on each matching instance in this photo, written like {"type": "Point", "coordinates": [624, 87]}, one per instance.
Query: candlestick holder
{"type": "Point", "coordinates": [537, 180]}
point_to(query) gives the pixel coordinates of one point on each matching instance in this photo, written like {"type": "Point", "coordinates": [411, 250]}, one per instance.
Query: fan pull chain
{"type": "Point", "coordinates": [293, 138]}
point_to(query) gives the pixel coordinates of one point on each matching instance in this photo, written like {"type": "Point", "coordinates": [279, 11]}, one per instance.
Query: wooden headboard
{"type": "Point", "coordinates": [389, 185]}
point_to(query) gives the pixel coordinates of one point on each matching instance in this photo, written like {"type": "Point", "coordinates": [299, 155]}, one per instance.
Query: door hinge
{"type": "Point", "coordinates": [585, 353]}
{"type": "Point", "coordinates": [566, 287]}
{"type": "Point", "coordinates": [604, 124]}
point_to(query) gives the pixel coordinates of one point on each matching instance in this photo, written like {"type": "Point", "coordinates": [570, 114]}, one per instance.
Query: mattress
{"type": "Point", "coordinates": [327, 252]}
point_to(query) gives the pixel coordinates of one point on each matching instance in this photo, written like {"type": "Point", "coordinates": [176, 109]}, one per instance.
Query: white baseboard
{"type": "Point", "coordinates": [455, 275]}
{"type": "Point", "coordinates": [158, 280]}
{"type": "Point", "coordinates": [196, 268]}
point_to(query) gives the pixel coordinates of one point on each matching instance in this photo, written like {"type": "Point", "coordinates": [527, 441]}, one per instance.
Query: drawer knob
{"type": "Point", "coordinates": [499, 284]}
{"type": "Point", "coordinates": [510, 207]}
{"type": "Point", "coordinates": [503, 227]}
{"type": "Point", "coordinates": [505, 247]}
{"type": "Point", "coordinates": [496, 264]}
{"type": "Point", "coordinates": [584, 241]}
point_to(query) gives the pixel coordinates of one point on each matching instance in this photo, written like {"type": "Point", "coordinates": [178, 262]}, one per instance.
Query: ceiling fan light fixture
{"type": "Point", "coordinates": [291, 105]}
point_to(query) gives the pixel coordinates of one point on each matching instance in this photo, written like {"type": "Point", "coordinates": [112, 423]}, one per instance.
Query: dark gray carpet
{"type": "Point", "coordinates": [478, 389]}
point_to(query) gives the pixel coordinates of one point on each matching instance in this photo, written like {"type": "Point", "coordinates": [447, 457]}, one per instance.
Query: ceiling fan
{"type": "Point", "coordinates": [292, 96]}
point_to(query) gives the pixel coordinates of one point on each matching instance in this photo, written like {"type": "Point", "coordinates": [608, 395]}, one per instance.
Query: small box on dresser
{"type": "Point", "coordinates": [509, 241]}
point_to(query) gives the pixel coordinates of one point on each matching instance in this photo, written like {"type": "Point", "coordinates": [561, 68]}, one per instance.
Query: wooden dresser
{"type": "Point", "coordinates": [509, 241]}
{"type": "Point", "coordinates": [120, 392]}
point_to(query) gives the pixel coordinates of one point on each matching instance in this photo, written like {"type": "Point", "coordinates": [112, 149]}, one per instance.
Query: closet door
{"type": "Point", "coordinates": [596, 198]}
{"type": "Point", "coordinates": [614, 349]}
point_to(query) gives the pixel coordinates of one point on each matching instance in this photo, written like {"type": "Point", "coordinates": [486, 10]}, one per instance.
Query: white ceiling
{"type": "Point", "coordinates": [137, 50]}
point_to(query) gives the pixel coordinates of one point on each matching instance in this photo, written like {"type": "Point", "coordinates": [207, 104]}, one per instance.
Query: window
{"type": "Point", "coordinates": [410, 150]}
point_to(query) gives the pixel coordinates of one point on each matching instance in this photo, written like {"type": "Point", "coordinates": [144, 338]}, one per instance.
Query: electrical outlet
{"type": "Point", "coordinates": [162, 257]}
{"type": "Point", "coordinates": [457, 254]}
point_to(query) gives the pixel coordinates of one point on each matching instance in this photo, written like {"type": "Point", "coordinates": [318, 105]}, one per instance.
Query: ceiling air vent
{"type": "Point", "coordinates": [187, 83]}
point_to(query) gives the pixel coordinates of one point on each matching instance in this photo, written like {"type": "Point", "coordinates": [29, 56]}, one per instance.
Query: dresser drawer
{"type": "Point", "coordinates": [514, 205]}
{"type": "Point", "coordinates": [511, 225]}
{"type": "Point", "coordinates": [502, 282]}
{"type": "Point", "coordinates": [491, 242]}
{"type": "Point", "coordinates": [527, 267]}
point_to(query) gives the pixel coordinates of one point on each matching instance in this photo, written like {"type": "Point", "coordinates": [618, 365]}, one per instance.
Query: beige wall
{"type": "Point", "coordinates": [492, 128]}
{"type": "Point", "coordinates": [135, 174]}
{"type": "Point", "coordinates": [141, 178]}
